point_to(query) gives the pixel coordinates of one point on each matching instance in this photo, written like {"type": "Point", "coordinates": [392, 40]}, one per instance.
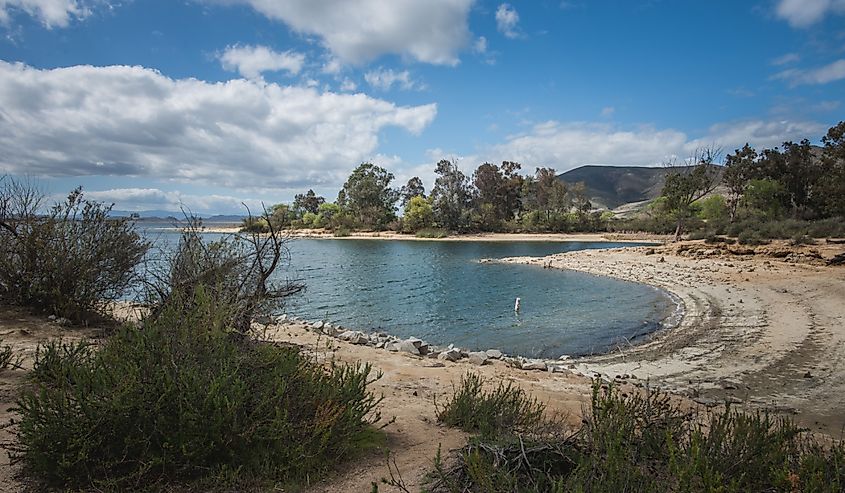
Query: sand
{"type": "Point", "coordinates": [762, 328]}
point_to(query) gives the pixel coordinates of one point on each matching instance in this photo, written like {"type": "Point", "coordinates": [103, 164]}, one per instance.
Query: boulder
{"type": "Point", "coordinates": [450, 355]}
{"type": "Point", "coordinates": [494, 354]}
{"type": "Point", "coordinates": [319, 325]}
{"type": "Point", "coordinates": [392, 346]}
{"type": "Point", "coordinates": [477, 357]}
{"type": "Point", "coordinates": [534, 365]}
{"type": "Point", "coordinates": [409, 346]}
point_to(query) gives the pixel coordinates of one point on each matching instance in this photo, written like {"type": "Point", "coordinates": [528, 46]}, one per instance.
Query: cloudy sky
{"type": "Point", "coordinates": [209, 103]}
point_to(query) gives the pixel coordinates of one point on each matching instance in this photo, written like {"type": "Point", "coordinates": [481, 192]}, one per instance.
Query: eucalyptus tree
{"type": "Point", "coordinates": [367, 196]}
{"type": "Point", "coordinates": [687, 183]}
{"type": "Point", "coordinates": [451, 196]}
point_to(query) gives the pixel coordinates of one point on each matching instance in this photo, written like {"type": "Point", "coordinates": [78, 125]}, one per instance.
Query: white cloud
{"type": "Point", "coordinates": [805, 13]}
{"type": "Point", "coordinates": [480, 45]}
{"type": "Point", "coordinates": [433, 31]}
{"type": "Point", "coordinates": [608, 111]}
{"type": "Point", "coordinates": [786, 59]}
{"type": "Point", "coordinates": [384, 79]}
{"type": "Point", "coordinates": [348, 85]}
{"type": "Point", "coordinates": [565, 146]}
{"type": "Point", "coordinates": [823, 75]}
{"type": "Point", "coordinates": [51, 13]}
{"type": "Point", "coordinates": [142, 199]}
{"type": "Point", "coordinates": [252, 61]}
{"type": "Point", "coordinates": [507, 19]}
{"type": "Point", "coordinates": [133, 121]}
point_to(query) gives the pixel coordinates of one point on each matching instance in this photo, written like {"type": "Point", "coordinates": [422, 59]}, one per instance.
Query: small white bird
{"type": "Point", "coordinates": [516, 305]}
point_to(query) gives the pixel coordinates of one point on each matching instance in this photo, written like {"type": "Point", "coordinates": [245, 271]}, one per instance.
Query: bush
{"type": "Point", "coordinates": [181, 399]}
{"type": "Point", "coordinates": [643, 442]}
{"type": "Point", "coordinates": [235, 271]}
{"type": "Point", "coordinates": [503, 409]}
{"type": "Point", "coordinates": [7, 357]}
{"type": "Point", "coordinates": [751, 238]}
{"type": "Point", "coordinates": [799, 240]}
{"type": "Point", "coordinates": [255, 225]}
{"type": "Point", "coordinates": [432, 233]}
{"type": "Point", "coordinates": [72, 261]}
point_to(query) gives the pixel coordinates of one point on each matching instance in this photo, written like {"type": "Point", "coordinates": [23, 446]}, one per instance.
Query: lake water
{"type": "Point", "coordinates": [441, 293]}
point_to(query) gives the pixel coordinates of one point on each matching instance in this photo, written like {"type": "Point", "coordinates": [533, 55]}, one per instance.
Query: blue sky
{"type": "Point", "coordinates": [151, 103]}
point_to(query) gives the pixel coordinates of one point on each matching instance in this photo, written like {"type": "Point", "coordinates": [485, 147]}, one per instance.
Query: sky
{"type": "Point", "coordinates": [210, 104]}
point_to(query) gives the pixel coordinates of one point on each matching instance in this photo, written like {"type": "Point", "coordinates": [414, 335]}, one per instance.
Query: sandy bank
{"type": "Point", "coordinates": [391, 235]}
{"type": "Point", "coordinates": [757, 329]}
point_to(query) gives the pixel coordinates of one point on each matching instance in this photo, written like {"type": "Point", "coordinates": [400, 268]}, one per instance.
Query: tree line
{"type": "Point", "coordinates": [796, 181]}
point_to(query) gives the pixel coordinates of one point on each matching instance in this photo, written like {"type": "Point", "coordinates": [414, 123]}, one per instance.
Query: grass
{"type": "Point", "coordinates": [644, 442]}
{"type": "Point", "coordinates": [432, 233]}
{"type": "Point", "coordinates": [178, 400]}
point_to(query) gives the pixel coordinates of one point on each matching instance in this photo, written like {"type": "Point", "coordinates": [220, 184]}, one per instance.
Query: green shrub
{"type": "Point", "coordinates": [182, 399]}
{"type": "Point", "coordinates": [72, 261]}
{"type": "Point", "coordinates": [505, 409]}
{"type": "Point", "coordinates": [799, 240]}
{"type": "Point", "coordinates": [7, 357]}
{"type": "Point", "coordinates": [643, 442]}
{"type": "Point", "coordinates": [751, 238]}
{"type": "Point", "coordinates": [342, 232]}
{"type": "Point", "coordinates": [432, 233]}
{"type": "Point", "coordinates": [255, 225]}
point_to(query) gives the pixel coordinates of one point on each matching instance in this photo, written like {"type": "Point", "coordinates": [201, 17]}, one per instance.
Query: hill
{"type": "Point", "coordinates": [612, 186]}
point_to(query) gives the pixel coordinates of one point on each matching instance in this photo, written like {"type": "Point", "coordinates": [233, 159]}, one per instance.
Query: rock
{"type": "Point", "coordinates": [451, 354]}
{"type": "Point", "coordinates": [564, 357]}
{"type": "Point", "coordinates": [51, 317]}
{"type": "Point", "coordinates": [435, 364]}
{"type": "Point", "coordinates": [661, 259]}
{"type": "Point", "coordinates": [319, 325]}
{"type": "Point", "coordinates": [379, 345]}
{"type": "Point", "coordinates": [808, 375]}
{"type": "Point", "coordinates": [494, 354]}
{"type": "Point", "coordinates": [533, 365]}
{"type": "Point", "coordinates": [650, 251]}
{"type": "Point", "coordinates": [62, 321]}
{"type": "Point", "coordinates": [408, 346]}
{"type": "Point", "coordinates": [392, 346]}
{"type": "Point", "coordinates": [477, 357]}
{"type": "Point", "coordinates": [282, 318]}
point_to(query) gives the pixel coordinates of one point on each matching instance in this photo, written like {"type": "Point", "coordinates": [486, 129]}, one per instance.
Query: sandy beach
{"type": "Point", "coordinates": [762, 328]}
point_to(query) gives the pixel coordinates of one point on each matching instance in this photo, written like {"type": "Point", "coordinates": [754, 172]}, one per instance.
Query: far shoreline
{"type": "Point", "coordinates": [315, 234]}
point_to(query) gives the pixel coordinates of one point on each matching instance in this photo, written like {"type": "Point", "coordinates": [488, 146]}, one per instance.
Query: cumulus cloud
{"type": "Point", "coordinates": [805, 13]}
{"type": "Point", "coordinates": [565, 146]}
{"type": "Point", "coordinates": [143, 199]}
{"type": "Point", "coordinates": [480, 45]}
{"type": "Point", "coordinates": [51, 13]}
{"type": "Point", "coordinates": [823, 75]}
{"type": "Point", "coordinates": [384, 79]}
{"type": "Point", "coordinates": [433, 31]}
{"type": "Point", "coordinates": [507, 19]}
{"type": "Point", "coordinates": [133, 121]}
{"type": "Point", "coordinates": [252, 61]}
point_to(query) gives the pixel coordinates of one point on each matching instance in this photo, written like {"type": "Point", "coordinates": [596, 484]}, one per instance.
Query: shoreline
{"type": "Point", "coordinates": [470, 237]}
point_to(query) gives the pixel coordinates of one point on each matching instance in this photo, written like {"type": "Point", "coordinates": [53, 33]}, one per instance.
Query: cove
{"type": "Point", "coordinates": [440, 292]}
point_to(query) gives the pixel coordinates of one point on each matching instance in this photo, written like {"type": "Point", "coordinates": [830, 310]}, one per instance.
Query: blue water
{"type": "Point", "coordinates": [440, 292]}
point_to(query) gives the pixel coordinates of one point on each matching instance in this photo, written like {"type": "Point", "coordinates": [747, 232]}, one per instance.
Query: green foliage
{"type": "Point", "coordinates": [451, 197]}
{"type": "Point", "coordinates": [180, 398]}
{"type": "Point", "coordinates": [418, 214]}
{"type": "Point", "coordinates": [432, 233]}
{"type": "Point", "coordinates": [713, 209]}
{"type": "Point", "coordinates": [767, 196]}
{"type": "Point", "coordinates": [643, 442]}
{"type": "Point", "coordinates": [503, 410]}
{"type": "Point", "coordinates": [72, 261]}
{"type": "Point", "coordinates": [255, 225]}
{"type": "Point", "coordinates": [7, 357]}
{"type": "Point", "coordinates": [368, 197]}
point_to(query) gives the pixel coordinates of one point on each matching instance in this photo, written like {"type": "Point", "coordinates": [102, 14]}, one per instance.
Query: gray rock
{"type": "Point", "coordinates": [62, 321]}
{"type": "Point", "coordinates": [533, 365]}
{"type": "Point", "coordinates": [477, 357]}
{"type": "Point", "coordinates": [494, 354]}
{"type": "Point", "coordinates": [408, 346]}
{"type": "Point", "coordinates": [282, 318]}
{"type": "Point", "coordinates": [319, 325]}
{"type": "Point", "coordinates": [392, 346]}
{"type": "Point", "coordinates": [451, 354]}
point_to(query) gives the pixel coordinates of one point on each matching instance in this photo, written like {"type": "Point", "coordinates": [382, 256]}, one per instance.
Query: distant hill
{"type": "Point", "coordinates": [612, 186]}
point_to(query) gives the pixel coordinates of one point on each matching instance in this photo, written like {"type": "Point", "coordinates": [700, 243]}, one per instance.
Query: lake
{"type": "Point", "coordinates": [440, 292]}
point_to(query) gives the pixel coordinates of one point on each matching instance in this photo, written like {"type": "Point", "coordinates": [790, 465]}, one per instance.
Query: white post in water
{"type": "Point", "coordinates": [516, 305]}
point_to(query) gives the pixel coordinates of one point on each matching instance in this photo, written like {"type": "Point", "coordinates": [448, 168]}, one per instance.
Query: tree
{"type": "Point", "coordinates": [368, 197]}
{"type": "Point", "coordinates": [308, 202]}
{"type": "Point", "coordinates": [489, 185]}
{"type": "Point", "coordinates": [451, 196]}
{"type": "Point", "coordinates": [739, 170]}
{"type": "Point", "coordinates": [511, 193]}
{"type": "Point", "coordinates": [686, 184]}
{"type": "Point", "coordinates": [418, 214]}
{"type": "Point", "coordinates": [833, 160]}
{"type": "Point", "coordinates": [414, 188]}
